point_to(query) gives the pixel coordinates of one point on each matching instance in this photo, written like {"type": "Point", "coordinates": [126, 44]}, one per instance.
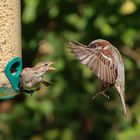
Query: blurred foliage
{"type": "Point", "coordinates": [66, 111]}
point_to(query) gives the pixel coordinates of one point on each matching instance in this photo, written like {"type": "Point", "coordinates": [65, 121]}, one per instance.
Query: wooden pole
{"type": "Point", "coordinates": [10, 35]}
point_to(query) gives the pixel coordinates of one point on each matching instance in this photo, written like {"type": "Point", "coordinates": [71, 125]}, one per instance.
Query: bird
{"type": "Point", "coordinates": [105, 61]}
{"type": "Point", "coordinates": [32, 77]}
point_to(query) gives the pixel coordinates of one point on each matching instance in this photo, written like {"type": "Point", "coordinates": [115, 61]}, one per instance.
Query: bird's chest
{"type": "Point", "coordinates": [33, 84]}
{"type": "Point", "coordinates": [31, 80]}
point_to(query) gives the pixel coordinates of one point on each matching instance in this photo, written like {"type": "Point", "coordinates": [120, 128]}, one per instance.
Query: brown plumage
{"type": "Point", "coordinates": [31, 78]}
{"type": "Point", "coordinates": [106, 62]}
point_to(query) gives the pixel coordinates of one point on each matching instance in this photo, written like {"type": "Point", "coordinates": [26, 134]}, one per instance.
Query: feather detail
{"type": "Point", "coordinates": [99, 62]}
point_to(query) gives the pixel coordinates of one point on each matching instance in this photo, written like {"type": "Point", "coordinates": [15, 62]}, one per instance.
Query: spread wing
{"type": "Point", "coordinates": [98, 62]}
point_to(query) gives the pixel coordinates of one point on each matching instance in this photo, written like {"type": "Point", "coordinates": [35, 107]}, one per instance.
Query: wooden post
{"type": "Point", "coordinates": [10, 35]}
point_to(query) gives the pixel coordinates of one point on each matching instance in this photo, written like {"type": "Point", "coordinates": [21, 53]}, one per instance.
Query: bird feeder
{"type": "Point", "coordinates": [10, 48]}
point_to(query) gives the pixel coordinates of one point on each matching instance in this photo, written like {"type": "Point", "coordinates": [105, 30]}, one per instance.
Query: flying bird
{"type": "Point", "coordinates": [31, 78]}
{"type": "Point", "coordinates": [101, 57]}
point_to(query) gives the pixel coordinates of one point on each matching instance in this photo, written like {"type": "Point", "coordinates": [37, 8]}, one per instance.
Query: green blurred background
{"type": "Point", "coordinates": [65, 111]}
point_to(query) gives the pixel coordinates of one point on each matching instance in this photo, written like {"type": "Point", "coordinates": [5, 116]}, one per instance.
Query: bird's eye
{"type": "Point", "coordinates": [93, 45]}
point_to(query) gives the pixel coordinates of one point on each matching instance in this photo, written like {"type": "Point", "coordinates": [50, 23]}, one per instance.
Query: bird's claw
{"type": "Point", "coordinates": [101, 93]}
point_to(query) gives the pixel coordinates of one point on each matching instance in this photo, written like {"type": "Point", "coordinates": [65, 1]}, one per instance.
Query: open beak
{"type": "Point", "coordinates": [51, 68]}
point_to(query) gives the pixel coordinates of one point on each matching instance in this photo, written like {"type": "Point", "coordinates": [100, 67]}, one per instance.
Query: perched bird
{"type": "Point", "coordinates": [106, 62]}
{"type": "Point", "coordinates": [31, 78]}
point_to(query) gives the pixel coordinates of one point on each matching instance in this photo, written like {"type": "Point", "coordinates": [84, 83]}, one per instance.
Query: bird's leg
{"type": "Point", "coordinates": [104, 88]}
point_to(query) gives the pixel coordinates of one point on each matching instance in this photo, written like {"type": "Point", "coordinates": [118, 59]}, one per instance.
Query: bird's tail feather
{"type": "Point", "coordinates": [122, 98]}
{"type": "Point", "coordinates": [123, 104]}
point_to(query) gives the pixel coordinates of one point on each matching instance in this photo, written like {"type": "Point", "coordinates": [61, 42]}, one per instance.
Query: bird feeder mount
{"type": "Point", "coordinates": [12, 71]}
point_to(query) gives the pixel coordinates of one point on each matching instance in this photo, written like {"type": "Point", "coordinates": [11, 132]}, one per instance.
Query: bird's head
{"type": "Point", "coordinates": [45, 66]}
{"type": "Point", "coordinates": [100, 44]}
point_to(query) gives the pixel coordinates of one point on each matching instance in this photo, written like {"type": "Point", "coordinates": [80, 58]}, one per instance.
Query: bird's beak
{"type": "Point", "coordinates": [51, 68]}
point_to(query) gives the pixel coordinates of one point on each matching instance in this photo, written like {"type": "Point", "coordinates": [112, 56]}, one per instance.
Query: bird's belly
{"type": "Point", "coordinates": [33, 84]}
